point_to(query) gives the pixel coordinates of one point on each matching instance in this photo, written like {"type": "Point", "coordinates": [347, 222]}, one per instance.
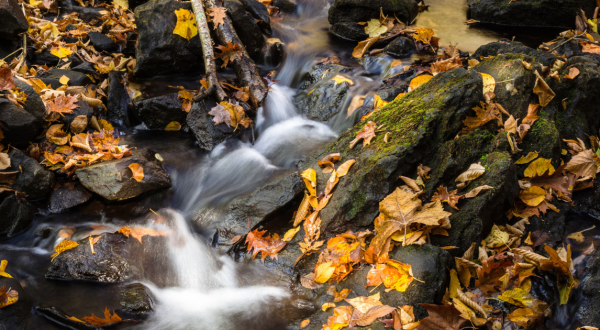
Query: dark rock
{"type": "Point", "coordinates": [33, 180]}
{"type": "Point", "coordinates": [320, 72]}
{"type": "Point", "coordinates": [515, 47]}
{"type": "Point", "coordinates": [159, 51]}
{"type": "Point", "coordinates": [47, 58]}
{"type": "Point", "coordinates": [102, 42]}
{"type": "Point", "coordinates": [207, 133]}
{"type": "Point", "coordinates": [58, 316]}
{"type": "Point", "coordinates": [116, 259]}
{"type": "Point", "coordinates": [119, 101]}
{"type": "Point", "coordinates": [388, 94]}
{"type": "Point", "coordinates": [75, 78]}
{"type": "Point", "coordinates": [45, 232]}
{"type": "Point", "coordinates": [260, 12]}
{"type": "Point", "coordinates": [288, 6]}
{"type": "Point", "coordinates": [554, 13]}
{"type": "Point", "coordinates": [17, 315]}
{"type": "Point", "coordinates": [246, 27]}
{"type": "Point", "coordinates": [64, 198]}
{"type": "Point", "coordinates": [400, 47]}
{"type": "Point", "coordinates": [15, 215]}
{"type": "Point", "coordinates": [158, 112]}
{"type": "Point", "coordinates": [362, 11]}
{"type": "Point", "coordinates": [136, 298]}
{"type": "Point", "coordinates": [12, 18]}
{"type": "Point", "coordinates": [18, 125]}
{"type": "Point", "coordinates": [8, 47]}
{"type": "Point", "coordinates": [275, 53]}
{"type": "Point", "coordinates": [113, 179]}
{"type": "Point", "coordinates": [87, 13]}
{"type": "Point", "coordinates": [323, 101]}
{"type": "Point", "coordinates": [86, 68]}
{"type": "Point", "coordinates": [33, 104]}
{"type": "Point", "coordinates": [590, 287]}
{"type": "Point", "coordinates": [349, 31]}
{"type": "Point", "coordinates": [83, 109]}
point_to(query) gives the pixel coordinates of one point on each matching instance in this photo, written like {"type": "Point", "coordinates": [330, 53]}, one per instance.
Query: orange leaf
{"type": "Point", "coordinates": [107, 320]}
{"type": "Point", "coordinates": [8, 298]}
{"type": "Point", "coordinates": [138, 171]}
{"type": "Point", "coordinates": [217, 15]}
{"type": "Point", "coordinates": [229, 53]}
{"type": "Point", "coordinates": [418, 81]}
{"type": "Point", "coordinates": [269, 246]}
{"type": "Point", "coordinates": [367, 133]}
{"type": "Point", "coordinates": [139, 232]}
{"type": "Point", "coordinates": [62, 104]}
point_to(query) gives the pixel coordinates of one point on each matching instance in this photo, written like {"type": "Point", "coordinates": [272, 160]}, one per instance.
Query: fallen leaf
{"type": "Point", "coordinates": [107, 320]}
{"type": "Point", "coordinates": [304, 323]}
{"type": "Point", "coordinates": [269, 246]}
{"type": "Point", "coordinates": [446, 65]}
{"type": "Point", "coordinates": [424, 35]}
{"type": "Point", "coordinates": [393, 274]}
{"type": "Point", "coordinates": [137, 172]}
{"type": "Point", "coordinates": [341, 79]}
{"type": "Point", "coordinates": [139, 232]}
{"type": "Point", "coordinates": [533, 196]}
{"type": "Point", "coordinates": [229, 53]}
{"type": "Point", "coordinates": [565, 279]}
{"type": "Point", "coordinates": [373, 314]}
{"type": "Point", "coordinates": [338, 296]}
{"type": "Point", "coordinates": [441, 318]}
{"type": "Point", "coordinates": [474, 171]}
{"type": "Point", "coordinates": [6, 80]}
{"type": "Point", "coordinates": [577, 236]}
{"type": "Point", "coordinates": [526, 159]}
{"type": "Point", "coordinates": [324, 271]}
{"type": "Point", "coordinates": [8, 298]}
{"type": "Point", "coordinates": [4, 161]}
{"type": "Point", "coordinates": [489, 83]}
{"type": "Point", "coordinates": [491, 271]}
{"type": "Point", "coordinates": [56, 135]}
{"type": "Point", "coordinates": [92, 242]}
{"type": "Point", "coordinates": [418, 81]}
{"type": "Point", "coordinates": [289, 235]}
{"type": "Point", "coordinates": [538, 167]}
{"type": "Point", "coordinates": [64, 246]}
{"type": "Point", "coordinates": [310, 180]}
{"type": "Point", "coordinates": [443, 196]}
{"type": "Point", "coordinates": [483, 114]}
{"type": "Point", "coordinates": [217, 16]}
{"type": "Point", "coordinates": [327, 306]}
{"type": "Point", "coordinates": [344, 168]}
{"type": "Point", "coordinates": [543, 91]}
{"type": "Point", "coordinates": [341, 318]}
{"type": "Point", "coordinates": [375, 28]}
{"type": "Point", "coordinates": [496, 238]}
{"type": "Point", "coordinates": [173, 127]}
{"type": "Point", "coordinates": [524, 317]}
{"type": "Point", "coordinates": [79, 124]}
{"type": "Point", "coordinates": [121, 3]}
{"type": "Point", "coordinates": [476, 191]}
{"type": "Point", "coordinates": [367, 133]}
{"type": "Point", "coordinates": [584, 164]}
{"type": "Point", "coordinates": [363, 46]}
{"type": "Point", "coordinates": [186, 24]}
{"type": "Point", "coordinates": [64, 80]}
{"type": "Point", "coordinates": [3, 272]}
{"type": "Point", "coordinates": [61, 52]}
{"type": "Point", "coordinates": [573, 72]}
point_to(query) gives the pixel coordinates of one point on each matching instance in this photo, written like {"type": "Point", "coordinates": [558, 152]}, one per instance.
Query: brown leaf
{"type": "Point", "coordinates": [217, 15]}
{"type": "Point", "coordinates": [543, 91]}
{"type": "Point", "coordinates": [4, 161]}
{"type": "Point", "coordinates": [107, 320]}
{"type": "Point", "coordinates": [374, 313]}
{"type": "Point", "coordinates": [79, 124]}
{"type": "Point", "coordinates": [139, 232]}
{"type": "Point", "coordinates": [484, 114]}
{"type": "Point", "coordinates": [62, 104]}
{"type": "Point", "coordinates": [367, 133]}
{"type": "Point", "coordinates": [229, 53]}
{"type": "Point", "coordinates": [441, 318]}
{"type": "Point", "coordinates": [269, 246]}
{"type": "Point", "coordinates": [363, 46]}
{"type": "Point", "coordinates": [6, 80]}
{"type": "Point", "coordinates": [442, 195]}
{"type": "Point", "coordinates": [446, 65]}
{"type": "Point", "coordinates": [573, 72]}
{"type": "Point", "coordinates": [584, 164]}
{"type": "Point", "coordinates": [56, 135]}
{"type": "Point", "coordinates": [493, 268]}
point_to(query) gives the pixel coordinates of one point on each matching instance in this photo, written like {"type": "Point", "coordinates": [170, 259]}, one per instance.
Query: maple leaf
{"type": "Point", "coordinates": [107, 320]}
{"type": "Point", "coordinates": [484, 114]}
{"type": "Point", "coordinates": [229, 53]}
{"type": "Point", "coordinates": [64, 246]}
{"type": "Point", "coordinates": [269, 246]}
{"type": "Point", "coordinates": [367, 133]}
{"type": "Point", "coordinates": [139, 232]}
{"type": "Point", "coordinates": [8, 297]}
{"type": "Point", "coordinates": [186, 24]}
{"type": "Point", "coordinates": [137, 171]}
{"type": "Point", "coordinates": [221, 114]}
{"type": "Point", "coordinates": [584, 164]}
{"type": "Point", "coordinates": [6, 80]}
{"type": "Point", "coordinates": [493, 268]}
{"type": "Point", "coordinates": [451, 198]}
{"type": "Point", "coordinates": [556, 181]}
{"type": "Point", "coordinates": [441, 318]}
{"type": "Point", "coordinates": [217, 15]}
{"type": "Point", "coordinates": [61, 52]}
{"type": "Point", "coordinates": [3, 272]}
{"type": "Point", "coordinates": [341, 254]}
{"type": "Point", "coordinates": [62, 104]}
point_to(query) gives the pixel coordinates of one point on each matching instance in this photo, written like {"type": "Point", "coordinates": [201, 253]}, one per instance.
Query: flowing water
{"type": "Point", "coordinates": [194, 286]}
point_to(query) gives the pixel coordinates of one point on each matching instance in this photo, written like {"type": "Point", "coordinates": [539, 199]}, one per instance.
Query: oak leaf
{"type": "Point", "coordinates": [367, 133]}
{"type": "Point", "coordinates": [137, 172]}
{"type": "Point", "coordinates": [64, 246]}
{"type": "Point", "coordinates": [217, 16]}
{"type": "Point", "coordinates": [229, 53]}
{"type": "Point", "coordinates": [491, 271]}
{"type": "Point", "coordinates": [6, 80]}
{"type": "Point", "coordinates": [443, 196]}
{"type": "Point", "coordinates": [107, 320]}
{"type": "Point", "coordinates": [441, 318]}
{"type": "Point", "coordinates": [269, 246]}
{"type": "Point", "coordinates": [8, 297]}
{"type": "Point", "coordinates": [62, 104]}
{"type": "Point", "coordinates": [186, 24]}
{"type": "Point", "coordinates": [139, 232]}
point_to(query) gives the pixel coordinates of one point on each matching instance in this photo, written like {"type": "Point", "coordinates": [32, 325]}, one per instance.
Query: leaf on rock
{"type": "Point", "coordinates": [6, 80]}
{"type": "Point", "coordinates": [363, 47]}
{"type": "Point", "coordinates": [64, 246]}
{"type": "Point", "coordinates": [393, 274]}
{"type": "Point", "coordinates": [324, 271]}
{"type": "Point", "coordinates": [338, 79]}
{"type": "Point", "coordinates": [137, 172]}
{"type": "Point", "coordinates": [497, 238]}
{"type": "Point", "coordinates": [62, 104]}
{"type": "Point", "coordinates": [526, 159]}
{"type": "Point", "coordinates": [269, 246]}
{"type": "Point", "coordinates": [304, 323]}
{"type": "Point", "coordinates": [373, 314]}
{"type": "Point", "coordinates": [418, 81]}
{"type": "Point", "coordinates": [584, 164]}
{"type": "Point", "coordinates": [532, 116]}
{"type": "Point", "coordinates": [107, 320]}
{"type": "Point", "coordinates": [310, 180]}
{"type": "Point", "coordinates": [543, 91]}
{"type": "Point", "coordinates": [344, 168]}
{"type": "Point", "coordinates": [538, 167]}
{"type": "Point", "coordinates": [56, 135]}
{"type": "Point", "coordinates": [474, 171]}
{"type": "Point", "coordinates": [441, 318]}
{"type": "Point", "coordinates": [363, 304]}
{"type": "Point", "coordinates": [139, 232]}
{"type": "Point", "coordinates": [533, 196]}
{"type": "Point", "coordinates": [4, 161]}
{"type": "Point", "coordinates": [446, 65]}
{"type": "Point", "coordinates": [483, 114]}
{"type": "Point", "coordinates": [375, 28]}
{"type": "Point", "coordinates": [476, 191]}
{"type": "Point", "coordinates": [573, 72]}
{"type": "Point", "coordinates": [524, 317]}
{"type": "Point", "coordinates": [367, 133]}
{"type": "Point", "coordinates": [217, 16]}
{"type": "Point", "coordinates": [186, 24]}
{"type": "Point", "coordinates": [424, 35]}
{"type": "Point", "coordinates": [340, 319]}
{"type": "Point", "coordinates": [229, 53]}
{"type": "Point", "coordinates": [564, 276]}
{"type": "Point", "coordinates": [442, 195]}
{"type": "Point", "coordinates": [289, 235]}
{"type": "Point", "coordinates": [8, 297]}
{"type": "Point", "coordinates": [79, 124]}
{"type": "Point", "coordinates": [338, 296]}
{"type": "Point", "coordinates": [3, 272]}
{"type": "Point", "coordinates": [61, 52]}
{"type": "Point", "coordinates": [173, 127]}
{"type": "Point", "coordinates": [489, 83]}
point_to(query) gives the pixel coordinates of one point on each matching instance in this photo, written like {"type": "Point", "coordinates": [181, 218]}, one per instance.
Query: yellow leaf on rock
{"type": "Point", "coordinates": [64, 80]}
{"type": "Point", "coordinates": [173, 126]}
{"type": "Point", "coordinates": [538, 167]}
{"type": "Point", "coordinates": [327, 306]}
{"type": "Point", "coordinates": [496, 238]}
{"type": "Point", "coordinates": [418, 81]}
{"type": "Point", "coordinates": [341, 79]}
{"type": "Point", "coordinates": [344, 168]}
{"type": "Point", "coordinates": [533, 196]}
{"type": "Point", "coordinates": [374, 28]}
{"type": "Point", "coordinates": [304, 323]}
{"type": "Point", "coordinates": [289, 235]}
{"type": "Point", "coordinates": [138, 171]}
{"type": "Point", "coordinates": [186, 24]}
{"type": "Point", "coordinates": [489, 83]}
{"type": "Point", "coordinates": [8, 297]}
{"type": "Point", "coordinates": [3, 272]}
{"type": "Point", "coordinates": [64, 246]}
{"type": "Point", "coordinates": [526, 159]}
{"type": "Point", "coordinates": [310, 179]}
{"type": "Point", "coordinates": [324, 271]}
{"type": "Point", "coordinates": [60, 52]}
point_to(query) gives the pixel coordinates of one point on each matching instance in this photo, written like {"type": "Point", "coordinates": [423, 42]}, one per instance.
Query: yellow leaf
{"type": "Point", "coordinates": [289, 235]}
{"type": "Point", "coordinates": [526, 159]}
{"type": "Point", "coordinates": [532, 196]}
{"type": "Point", "coordinates": [310, 179]}
{"type": "Point", "coordinates": [64, 80]}
{"type": "Point", "coordinates": [105, 125]}
{"type": "Point", "coordinates": [474, 171]}
{"type": "Point", "coordinates": [121, 3]}
{"type": "Point", "coordinates": [374, 28]}
{"type": "Point", "coordinates": [454, 284]}
{"type": "Point", "coordinates": [324, 271]}
{"type": "Point", "coordinates": [60, 52]}
{"type": "Point", "coordinates": [341, 79]}
{"type": "Point", "coordinates": [379, 103]}
{"type": "Point", "coordinates": [489, 83]}
{"type": "Point", "coordinates": [64, 246]}
{"type": "Point", "coordinates": [363, 46]}
{"type": "Point", "coordinates": [327, 306]}
{"type": "Point", "coordinates": [304, 323]}
{"type": "Point", "coordinates": [173, 126]}
{"type": "Point", "coordinates": [186, 24]}
{"type": "Point", "coordinates": [138, 171]}
{"type": "Point", "coordinates": [418, 81]}
{"type": "Point", "coordinates": [3, 272]}
{"type": "Point", "coordinates": [344, 168]}
{"type": "Point", "coordinates": [496, 238]}
{"type": "Point", "coordinates": [538, 167]}
{"type": "Point", "coordinates": [8, 298]}
{"type": "Point", "coordinates": [518, 296]}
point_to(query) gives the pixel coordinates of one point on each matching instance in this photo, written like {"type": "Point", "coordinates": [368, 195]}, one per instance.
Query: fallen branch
{"type": "Point", "coordinates": [207, 50]}
{"type": "Point", "coordinates": [244, 67]}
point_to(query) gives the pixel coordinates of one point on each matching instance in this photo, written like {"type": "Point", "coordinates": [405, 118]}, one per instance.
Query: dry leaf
{"type": "Point", "coordinates": [289, 235]}
{"type": "Point", "coordinates": [137, 172]}
{"type": "Point", "coordinates": [584, 164]}
{"type": "Point", "coordinates": [229, 53]}
{"type": "Point", "coordinates": [269, 246]}
{"type": "Point", "coordinates": [186, 24]}
{"type": "Point", "coordinates": [173, 126]}
{"type": "Point", "coordinates": [139, 232]}
{"type": "Point", "coordinates": [474, 171]}
{"type": "Point", "coordinates": [573, 72]}
{"type": "Point", "coordinates": [489, 83]}
{"type": "Point", "coordinates": [217, 16]}
{"type": "Point", "coordinates": [367, 133]}
{"type": "Point", "coordinates": [79, 124]}
{"type": "Point", "coordinates": [64, 246]}
{"type": "Point", "coordinates": [108, 319]}
{"type": "Point", "coordinates": [526, 159]}
{"type": "Point", "coordinates": [6, 80]}
{"type": "Point", "coordinates": [418, 81]}
{"type": "Point", "coordinates": [543, 91]}
{"type": "Point", "coordinates": [4, 161]}
{"type": "Point", "coordinates": [8, 298]}
{"type": "Point", "coordinates": [539, 167]}
{"type": "Point", "coordinates": [363, 46]}
{"type": "Point", "coordinates": [62, 104]}
{"type": "Point", "coordinates": [3, 272]}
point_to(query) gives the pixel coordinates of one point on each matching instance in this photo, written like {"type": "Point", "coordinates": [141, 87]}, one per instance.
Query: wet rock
{"type": "Point", "coordinates": [590, 287]}
{"type": "Point", "coordinates": [207, 133]}
{"type": "Point", "coordinates": [362, 11]}
{"type": "Point", "coordinates": [33, 104]}
{"type": "Point", "coordinates": [17, 315]}
{"type": "Point", "coordinates": [246, 28]}
{"type": "Point", "coordinates": [33, 180]}
{"type": "Point", "coordinates": [75, 78]}
{"type": "Point", "coordinates": [83, 109]}
{"type": "Point", "coordinates": [158, 112]}
{"type": "Point", "coordinates": [259, 11]}
{"type": "Point", "coordinates": [288, 6]}
{"type": "Point", "coordinates": [554, 13]}
{"type": "Point", "coordinates": [119, 101]}
{"type": "Point", "coordinates": [388, 94]}
{"type": "Point", "coordinates": [18, 125]}
{"type": "Point", "coordinates": [102, 42]}
{"type": "Point", "coordinates": [87, 13]}
{"type": "Point", "coordinates": [113, 180]}
{"type": "Point", "coordinates": [323, 101]}
{"type": "Point", "coordinates": [349, 31]}
{"type": "Point", "coordinates": [65, 197]}
{"type": "Point", "coordinates": [13, 20]}
{"type": "Point", "coordinates": [59, 317]}
{"type": "Point", "coordinates": [136, 298]}
{"type": "Point", "coordinates": [320, 71]}
{"type": "Point", "coordinates": [505, 46]}
{"type": "Point", "coordinates": [86, 68]}
{"type": "Point", "coordinates": [15, 215]}
{"type": "Point", "coordinates": [47, 58]}
{"type": "Point", "coordinates": [159, 51]}
{"type": "Point", "coordinates": [400, 47]}
{"type": "Point", "coordinates": [116, 259]}
{"type": "Point", "coordinates": [275, 52]}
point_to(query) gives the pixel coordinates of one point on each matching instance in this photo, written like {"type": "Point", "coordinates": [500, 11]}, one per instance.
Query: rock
{"type": "Point", "coordinates": [362, 11]}
{"type": "Point", "coordinates": [33, 104]}
{"type": "Point", "coordinates": [590, 287]}
{"type": "Point", "coordinates": [15, 215]}
{"type": "Point", "coordinates": [158, 112]}
{"type": "Point", "coordinates": [12, 18]}
{"type": "Point", "coordinates": [87, 13]}
{"type": "Point", "coordinates": [275, 52]}
{"type": "Point", "coordinates": [324, 101]}
{"type": "Point", "coordinates": [320, 72]}
{"type": "Point", "coordinates": [86, 68]}
{"type": "Point", "coordinates": [8, 47]}
{"type": "Point", "coordinates": [102, 42]}
{"type": "Point", "coordinates": [116, 259]}
{"type": "Point", "coordinates": [246, 28]}
{"type": "Point", "coordinates": [33, 180]}
{"type": "Point", "coordinates": [46, 57]}
{"type": "Point", "coordinates": [75, 78]}
{"type": "Point", "coordinates": [554, 13]}
{"type": "Point", "coordinates": [113, 180]}
{"type": "Point", "coordinates": [17, 315]}
{"type": "Point", "coordinates": [159, 51]}
{"type": "Point", "coordinates": [136, 298]}
{"type": "Point", "coordinates": [288, 6]}
{"type": "Point", "coordinates": [349, 31]}
{"type": "Point", "coordinates": [259, 11]}
{"type": "Point", "coordinates": [388, 94]}
{"type": "Point", "coordinates": [58, 316]}
{"type": "Point", "coordinates": [83, 109]}
{"type": "Point", "coordinates": [119, 101]}
{"type": "Point", "coordinates": [202, 125]}
{"type": "Point", "coordinates": [18, 125]}
{"type": "Point", "coordinates": [400, 47]}
{"type": "Point", "coordinates": [505, 46]}
{"type": "Point", "coordinates": [64, 198]}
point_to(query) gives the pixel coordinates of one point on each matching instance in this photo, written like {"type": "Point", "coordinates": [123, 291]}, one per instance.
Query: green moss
{"type": "Point", "coordinates": [357, 201]}
{"type": "Point", "coordinates": [543, 137]}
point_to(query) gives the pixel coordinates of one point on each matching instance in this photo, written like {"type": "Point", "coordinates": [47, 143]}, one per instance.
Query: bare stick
{"type": "Point", "coordinates": [207, 49]}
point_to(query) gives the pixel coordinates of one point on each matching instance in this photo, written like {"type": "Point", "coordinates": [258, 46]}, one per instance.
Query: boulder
{"type": "Point", "coordinates": [102, 42]}
{"type": "Point", "coordinates": [400, 47]}
{"type": "Point", "coordinates": [116, 259]}
{"type": "Point", "coordinates": [12, 18]}
{"type": "Point", "coordinates": [136, 298]}
{"type": "Point", "coordinates": [349, 31]}
{"type": "Point", "coordinates": [75, 78]}
{"type": "Point", "coordinates": [47, 58]}
{"type": "Point", "coordinates": [33, 180]}
{"type": "Point", "coordinates": [158, 112]}
{"type": "Point", "coordinates": [207, 133]}
{"type": "Point", "coordinates": [18, 125]}
{"type": "Point", "coordinates": [288, 6]}
{"type": "Point", "coordinates": [505, 46]}
{"type": "Point", "coordinates": [17, 315]}
{"type": "Point", "coordinates": [159, 51]}
{"type": "Point", "coordinates": [16, 215]}
{"type": "Point", "coordinates": [87, 68]}
{"type": "Point", "coordinates": [66, 197]}
{"type": "Point", "coordinates": [362, 11]}
{"type": "Point", "coordinates": [590, 288]}
{"type": "Point", "coordinates": [113, 179]}
{"type": "Point", "coordinates": [83, 109]}
{"type": "Point", "coordinates": [320, 72]}
{"type": "Point", "coordinates": [548, 13]}
{"type": "Point", "coordinates": [119, 101]}
{"type": "Point", "coordinates": [246, 27]}
{"type": "Point", "coordinates": [33, 104]}
{"type": "Point", "coordinates": [59, 317]}
{"type": "Point", "coordinates": [259, 11]}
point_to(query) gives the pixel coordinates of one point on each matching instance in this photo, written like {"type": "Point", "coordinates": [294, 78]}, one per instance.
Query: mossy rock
{"type": "Point", "coordinates": [543, 137]}
{"type": "Point", "coordinates": [505, 46]}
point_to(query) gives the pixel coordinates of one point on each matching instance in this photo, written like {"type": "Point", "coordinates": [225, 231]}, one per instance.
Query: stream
{"type": "Point", "coordinates": [195, 286]}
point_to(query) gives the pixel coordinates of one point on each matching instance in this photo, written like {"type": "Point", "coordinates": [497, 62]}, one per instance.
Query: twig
{"type": "Point", "coordinates": [24, 53]}
{"type": "Point", "coordinates": [562, 43]}
{"type": "Point", "coordinates": [7, 56]}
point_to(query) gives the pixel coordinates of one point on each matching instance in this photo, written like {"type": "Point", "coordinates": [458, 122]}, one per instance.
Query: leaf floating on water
{"type": "Point", "coordinates": [186, 24]}
{"type": "Point", "coordinates": [139, 232]}
{"type": "Point", "coordinates": [8, 297]}
{"type": "Point", "coordinates": [64, 246]}
{"type": "Point", "coordinates": [3, 272]}
{"type": "Point", "coordinates": [107, 320]}
{"type": "Point", "coordinates": [577, 236]}
{"type": "Point", "coordinates": [267, 245]}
